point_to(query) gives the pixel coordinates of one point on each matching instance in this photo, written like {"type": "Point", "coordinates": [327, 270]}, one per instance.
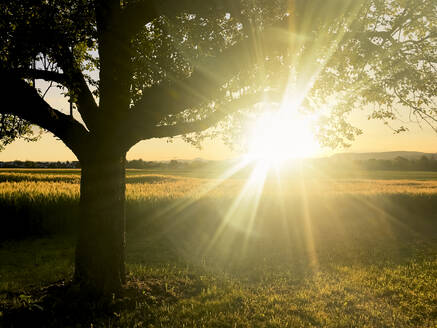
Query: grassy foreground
{"type": "Point", "coordinates": [237, 253]}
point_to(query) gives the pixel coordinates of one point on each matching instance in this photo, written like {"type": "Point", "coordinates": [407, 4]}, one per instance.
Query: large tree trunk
{"type": "Point", "coordinates": [100, 266]}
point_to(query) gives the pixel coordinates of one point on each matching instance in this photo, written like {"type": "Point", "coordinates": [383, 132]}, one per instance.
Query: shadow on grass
{"type": "Point", "coordinates": [63, 304]}
{"type": "Point", "coordinates": [364, 261]}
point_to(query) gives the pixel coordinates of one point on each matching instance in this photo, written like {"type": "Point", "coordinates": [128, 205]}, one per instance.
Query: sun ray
{"type": "Point", "coordinates": [308, 229]}
{"type": "Point", "coordinates": [246, 202]}
{"type": "Point", "coordinates": [280, 195]}
{"type": "Point", "coordinates": [179, 206]}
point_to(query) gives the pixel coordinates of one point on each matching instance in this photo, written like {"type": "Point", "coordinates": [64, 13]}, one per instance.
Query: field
{"type": "Point", "coordinates": [309, 249]}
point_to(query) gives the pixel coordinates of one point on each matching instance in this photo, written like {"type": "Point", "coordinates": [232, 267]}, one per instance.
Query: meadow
{"type": "Point", "coordinates": [291, 249]}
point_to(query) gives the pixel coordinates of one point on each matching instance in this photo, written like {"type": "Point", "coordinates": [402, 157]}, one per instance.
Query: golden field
{"type": "Point", "coordinates": [158, 186]}
{"type": "Point", "coordinates": [254, 251]}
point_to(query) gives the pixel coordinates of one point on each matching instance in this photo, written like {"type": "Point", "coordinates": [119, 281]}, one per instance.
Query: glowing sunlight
{"type": "Point", "coordinates": [283, 135]}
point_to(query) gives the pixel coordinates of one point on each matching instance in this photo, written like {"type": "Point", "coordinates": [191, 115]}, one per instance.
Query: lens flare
{"type": "Point", "coordinates": [280, 136]}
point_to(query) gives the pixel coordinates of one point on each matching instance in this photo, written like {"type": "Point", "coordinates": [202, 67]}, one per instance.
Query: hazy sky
{"type": "Point", "coordinates": [376, 138]}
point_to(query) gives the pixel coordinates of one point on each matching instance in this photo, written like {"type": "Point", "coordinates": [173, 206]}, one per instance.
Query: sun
{"type": "Point", "coordinates": [278, 136]}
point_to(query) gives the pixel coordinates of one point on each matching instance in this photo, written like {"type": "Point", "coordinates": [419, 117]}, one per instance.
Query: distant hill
{"type": "Point", "coordinates": [384, 155]}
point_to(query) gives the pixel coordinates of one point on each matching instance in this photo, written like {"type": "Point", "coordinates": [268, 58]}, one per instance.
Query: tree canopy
{"type": "Point", "coordinates": [186, 65]}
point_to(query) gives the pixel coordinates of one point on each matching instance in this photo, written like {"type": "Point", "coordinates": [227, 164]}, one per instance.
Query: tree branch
{"type": "Point", "coordinates": [50, 76]}
{"type": "Point", "coordinates": [136, 15]}
{"type": "Point", "coordinates": [418, 111]}
{"type": "Point", "coordinates": [207, 79]}
{"type": "Point", "coordinates": [24, 102]}
{"type": "Point", "coordinates": [145, 130]}
{"type": "Point", "coordinates": [75, 82]}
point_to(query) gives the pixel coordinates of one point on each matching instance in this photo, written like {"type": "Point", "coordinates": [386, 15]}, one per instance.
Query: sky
{"type": "Point", "coordinates": [376, 137]}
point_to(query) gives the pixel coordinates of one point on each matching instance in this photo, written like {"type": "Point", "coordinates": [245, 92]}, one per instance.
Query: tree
{"type": "Point", "coordinates": [12, 127]}
{"type": "Point", "coordinates": [169, 68]}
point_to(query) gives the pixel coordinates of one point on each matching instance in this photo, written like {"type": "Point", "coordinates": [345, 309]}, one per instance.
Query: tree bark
{"type": "Point", "coordinates": [100, 249]}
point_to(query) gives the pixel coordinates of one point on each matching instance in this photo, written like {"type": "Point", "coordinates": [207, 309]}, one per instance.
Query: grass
{"type": "Point", "coordinates": [345, 253]}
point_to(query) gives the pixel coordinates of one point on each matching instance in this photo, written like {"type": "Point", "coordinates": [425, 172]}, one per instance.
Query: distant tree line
{"type": "Point", "coordinates": [133, 164]}
{"type": "Point", "coordinates": [173, 164]}
{"type": "Point", "coordinates": [39, 165]}
{"type": "Point", "coordinates": [423, 163]}
{"type": "Point", "coordinates": [399, 163]}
